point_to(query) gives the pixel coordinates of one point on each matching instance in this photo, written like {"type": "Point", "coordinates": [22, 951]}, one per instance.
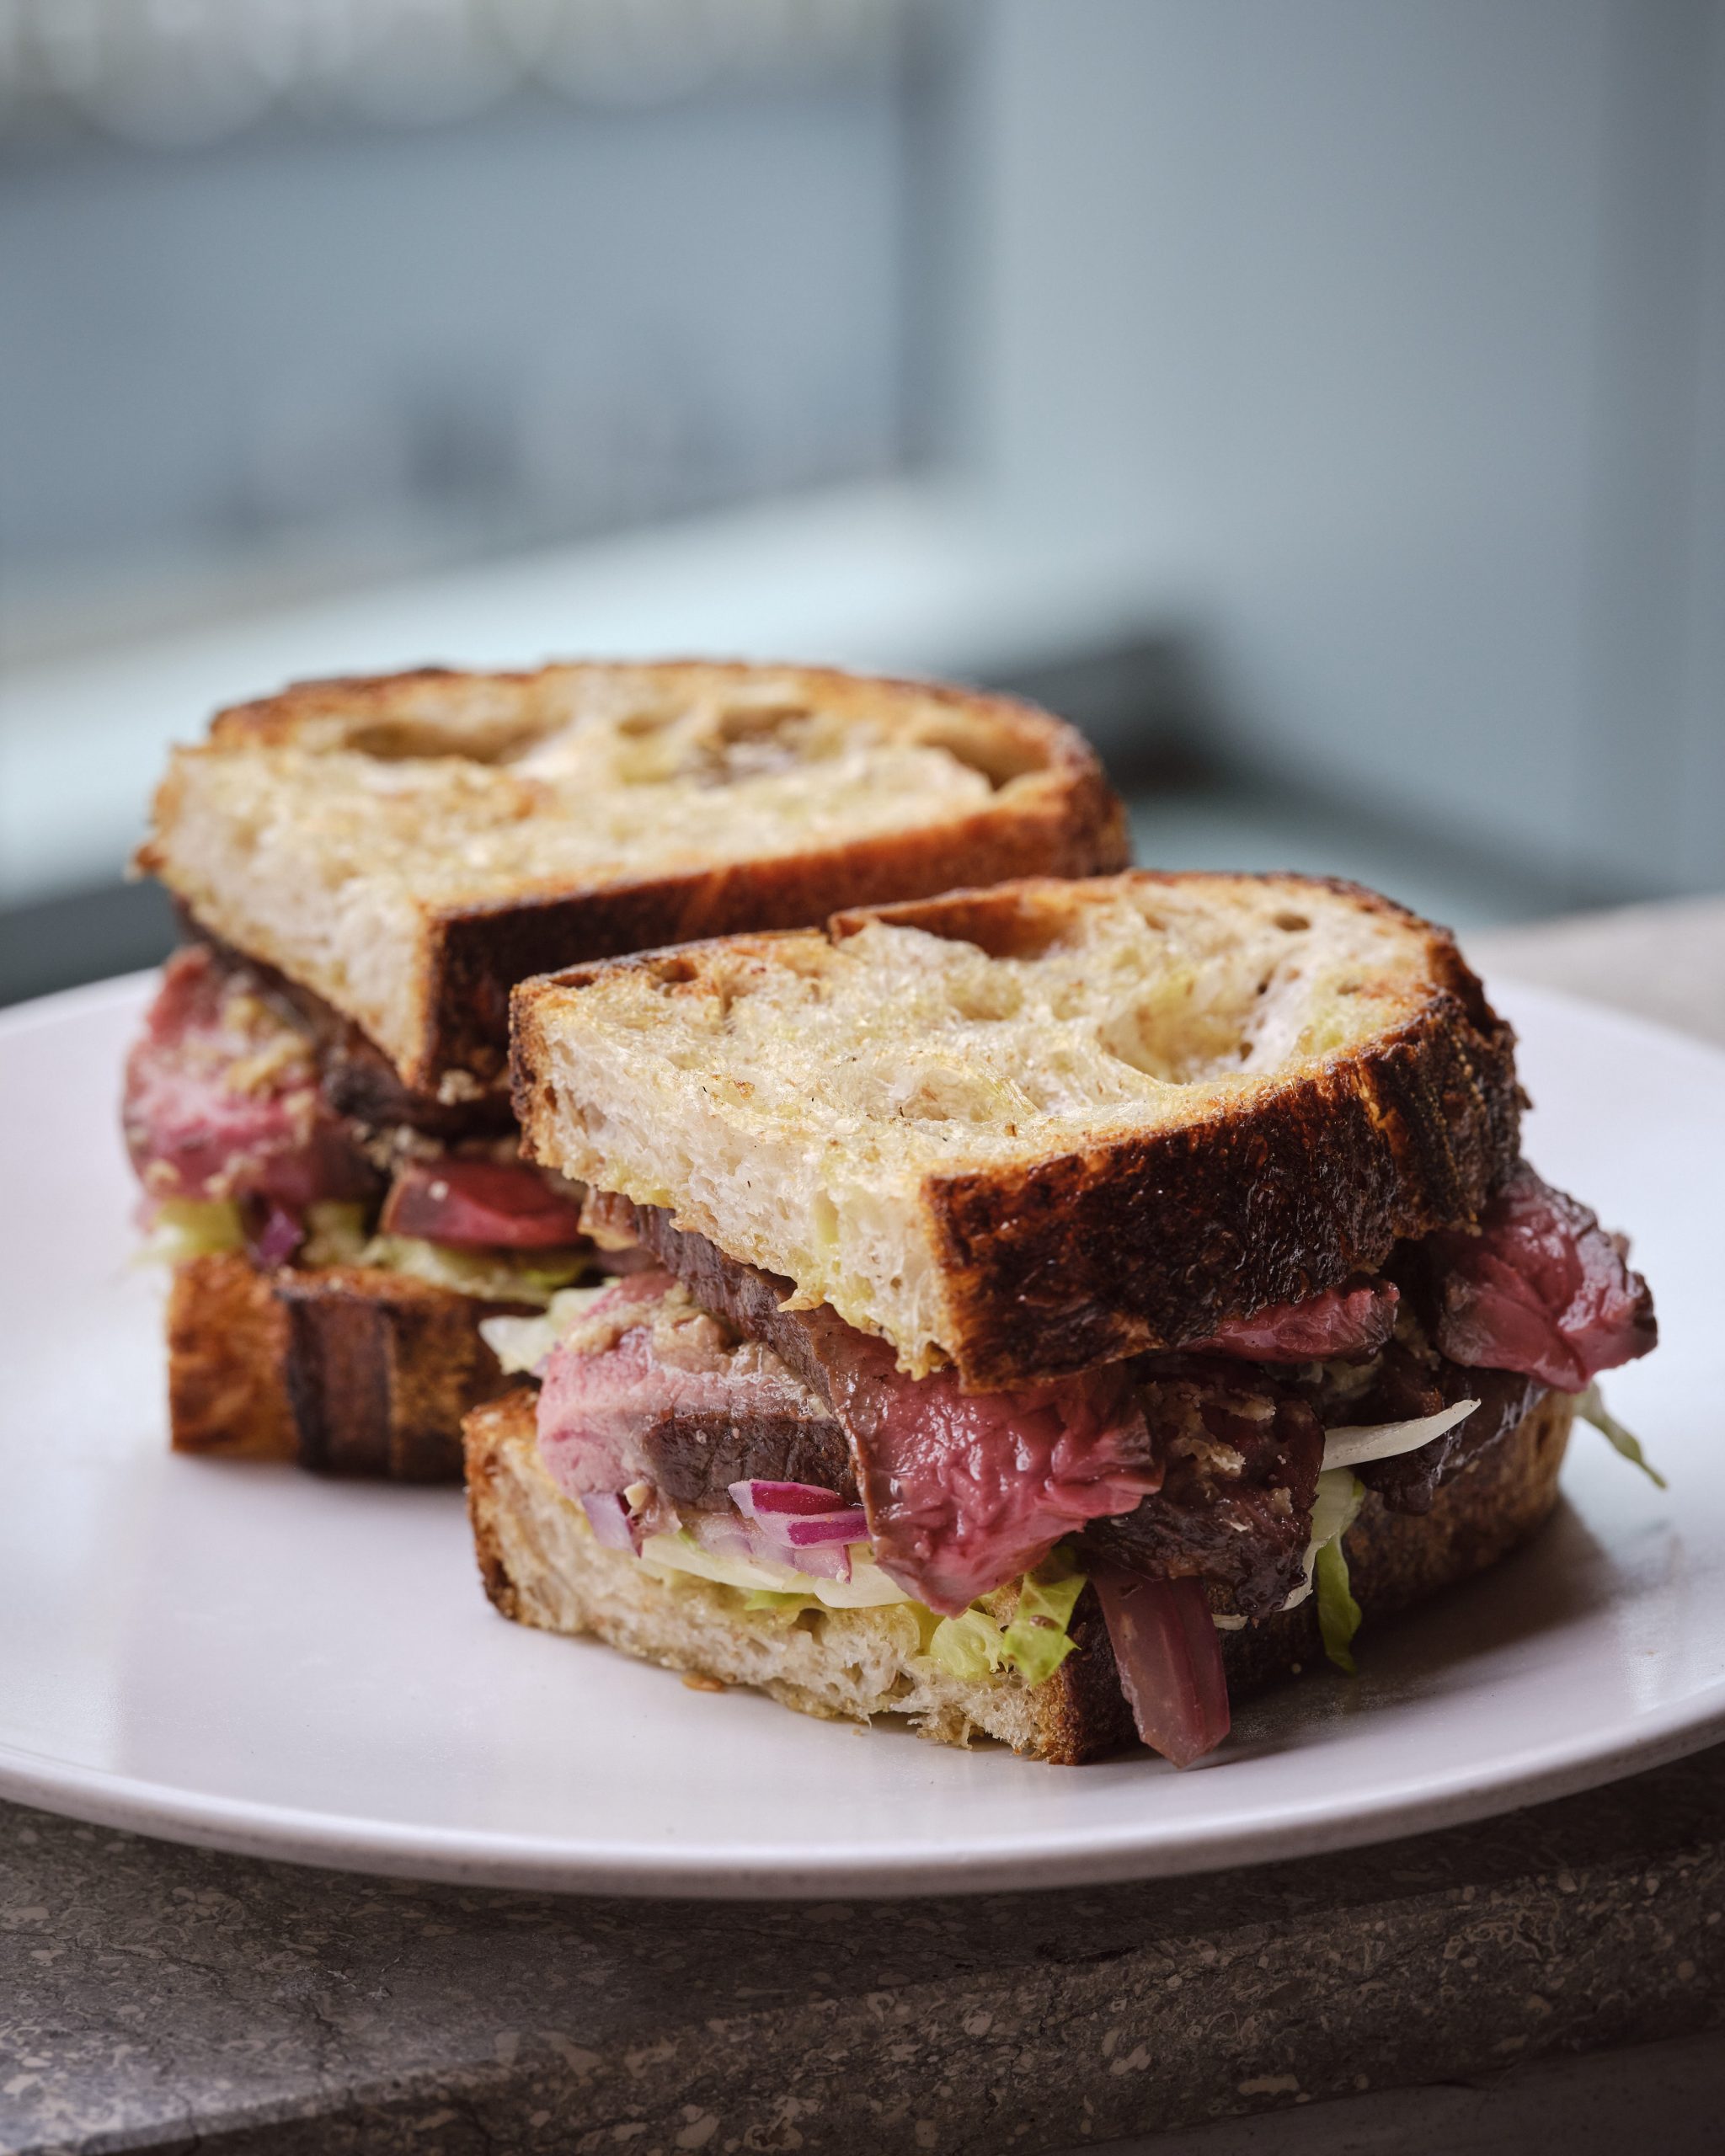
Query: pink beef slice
{"type": "Point", "coordinates": [221, 1097]}
{"type": "Point", "coordinates": [965, 1490]}
{"type": "Point", "coordinates": [651, 1388]}
{"type": "Point", "coordinates": [1539, 1287]}
{"type": "Point", "coordinates": [1354, 1320]}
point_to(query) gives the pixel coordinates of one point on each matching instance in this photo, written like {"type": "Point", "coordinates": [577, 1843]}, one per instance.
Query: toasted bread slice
{"type": "Point", "coordinates": [541, 1565]}
{"type": "Point", "coordinates": [408, 847]}
{"type": "Point", "coordinates": [347, 1369]}
{"type": "Point", "coordinates": [1030, 1129]}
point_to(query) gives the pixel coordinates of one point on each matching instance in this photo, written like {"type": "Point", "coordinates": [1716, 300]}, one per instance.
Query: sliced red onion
{"type": "Point", "coordinates": [762, 1499]}
{"type": "Point", "coordinates": [278, 1238]}
{"type": "Point", "coordinates": [811, 1532]}
{"type": "Point", "coordinates": [609, 1516]}
{"type": "Point", "coordinates": [1169, 1658]}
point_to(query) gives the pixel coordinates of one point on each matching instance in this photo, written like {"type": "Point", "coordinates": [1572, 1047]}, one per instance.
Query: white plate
{"type": "Point", "coordinates": [252, 1658]}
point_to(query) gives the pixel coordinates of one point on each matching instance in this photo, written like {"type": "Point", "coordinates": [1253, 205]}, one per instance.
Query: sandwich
{"type": "Point", "coordinates": [1069, 1303]}
{"type": "Point", "coordinates": [318, 1107]}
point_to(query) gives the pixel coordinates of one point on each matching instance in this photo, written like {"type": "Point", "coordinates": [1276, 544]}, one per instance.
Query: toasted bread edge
{"type": "Point", "coordinates": [346, 1370]}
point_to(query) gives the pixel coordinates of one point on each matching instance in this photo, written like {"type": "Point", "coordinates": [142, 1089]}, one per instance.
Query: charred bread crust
{"type": "Point", "coordinates": [380, 1369]}
{"type": "Point", "coordinates": [1070, 823]}
{"type": "Point", "coordinates": [347, 1371]}
{"type": "Point", "coordinates": [1494, 1505]}
{"type": "Point", "coordinates": [1152, 1242]}
{"type": "Point", "coordinates": [227, 1345]}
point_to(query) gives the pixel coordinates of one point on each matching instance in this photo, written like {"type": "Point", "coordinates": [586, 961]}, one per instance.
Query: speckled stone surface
{"type": "Point", "coordinates": [163, 1998]}
{"type": "Point", "coordinates": [158, 1998]}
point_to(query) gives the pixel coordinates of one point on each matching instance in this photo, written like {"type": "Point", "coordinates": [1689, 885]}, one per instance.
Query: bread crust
{"type": "Point", "coordinates": [227, 1344]}
{"type": "Point", "coordinates": [344, 1370]}
{"type": "Point", "coordinates": [541, 1566]}
{"type": "Point", "coordinates": [1144, 1242]}
{"type": "Point", "coordinates": [1063, 818]}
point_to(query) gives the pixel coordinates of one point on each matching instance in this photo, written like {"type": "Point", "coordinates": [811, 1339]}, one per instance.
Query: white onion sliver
{"type": "Point", "coordinates": [608, 1516]}
{"type": "Point", "coordinates": [1348, 1446]}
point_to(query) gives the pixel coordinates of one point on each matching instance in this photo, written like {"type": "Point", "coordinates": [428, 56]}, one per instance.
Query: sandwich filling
{"type": "Point", "coordinates": [702, 1424]}
{"type": "Point", "coordinates": [249, 1128]}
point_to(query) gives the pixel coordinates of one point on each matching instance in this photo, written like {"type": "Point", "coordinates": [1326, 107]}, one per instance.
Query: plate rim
{"type": "Point", "coordinates": [334, 1842]}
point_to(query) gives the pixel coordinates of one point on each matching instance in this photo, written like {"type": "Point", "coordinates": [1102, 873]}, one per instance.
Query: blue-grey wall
{"type": "Point", "coordinates": [1393, 337]}
{"type": "Point", "coordinates": [549, 321]}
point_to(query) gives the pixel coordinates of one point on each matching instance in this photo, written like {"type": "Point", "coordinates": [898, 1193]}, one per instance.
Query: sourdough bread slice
{"type": "Point", "coordinates": [1030, 1129]}
{"type": "Point", "coordinates": [408, 847]}
{"type": "Point", "coordinates": [541, 1565]}
{"type": "Point", "coordinates": [346, 1369]}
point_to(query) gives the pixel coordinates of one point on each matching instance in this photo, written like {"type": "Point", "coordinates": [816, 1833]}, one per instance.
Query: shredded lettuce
{"type": "Point", "coordinates": [969, 1647]}
{"type": "Point", "coordinates": [1035, 1642]}
{"type": "Point", "coordinates": [867, 1587]}
{"type": "Point", "coordinates": [974, 1647]}
{"type": "Point", "coordinates": [1340, 1494]}
{"type": "Point", "coordinates": [520, 1344]}
{"type": "Point", "coordinates": [335, 1233]}
{"type": "Point", "coordinates": [1592, 1408]}
{"type": "Point", "coordinates": [1337, 1612]}
{"type": "Point", "coordinates": [490, 1276]}
{"type": "Point", "coordinates": [192, 1227]}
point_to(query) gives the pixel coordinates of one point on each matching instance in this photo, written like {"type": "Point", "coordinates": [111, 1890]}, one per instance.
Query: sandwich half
{"type": "Point", "coordinates": [318, 1107]}
{"type": "Point", "coordinates": [1067, 1300]}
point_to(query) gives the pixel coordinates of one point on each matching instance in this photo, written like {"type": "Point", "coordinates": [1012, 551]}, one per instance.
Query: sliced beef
{"type": "Point", "coordinates": [750, 1300]}
{"type": "Point", "coordinates": [1409, 1482]}
{"type": "Point", "coordinates": [221, 1100]}
{"type": "Point", "coordinates": [1216, 1481]}
{"type": "Point", "coordinates": [963, 1489]}
{"type": "Point", "coordinates": [650, 1388]}
{"type": "Point", "coordinates": [1539, 1287]}
{"type": "Point", "coordinates": [1355, 1320]}
{"type": "Point", "coordinates": [1239, 1458]}
{"type": "Point", "coordinates": [482, 1204]}
{"type": "Point", "coordinates": [235, 1090]}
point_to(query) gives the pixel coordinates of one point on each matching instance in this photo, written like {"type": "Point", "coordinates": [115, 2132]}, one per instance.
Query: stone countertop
{"type": "Point", "coordinates": [156, 1995]}
{"type": "Point", "coordinates": [158, 1998]}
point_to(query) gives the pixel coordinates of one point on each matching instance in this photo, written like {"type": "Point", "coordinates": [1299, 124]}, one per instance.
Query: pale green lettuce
{"type": "Point", "coordinates": [192, 1227]}
{"type": "Point", "coordinates": [1340, 1494]}
{"type": "Point", "coordinates": [521, 1344]}
{"type": "Point", "coordinates": [1592, 1408]}
{"type": "Point", "coordinates": [1337, 1612]}
{"type": "Point", "coordinates": [1033, 1643]}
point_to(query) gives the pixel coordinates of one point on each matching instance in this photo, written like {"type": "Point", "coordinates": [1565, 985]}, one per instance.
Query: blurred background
{"type": "Point", "coordinates": [1322, 401]}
